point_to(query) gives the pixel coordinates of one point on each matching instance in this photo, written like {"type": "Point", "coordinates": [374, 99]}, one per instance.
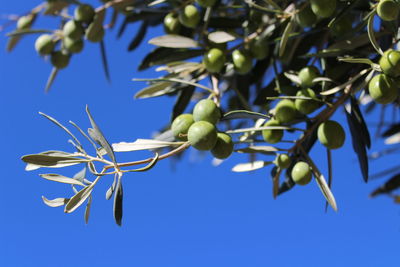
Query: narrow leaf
{"type": "Point", "coordinates": [371, 33]}
{"type": "Point", "coordinates": [182, 101]}
{"type": "Point", "coordinates": [250, 166]}
{"type": "Point", "coordinates": [12, 42]}
{"type": "Point", "coordinates": [80, 197]}
{"type": "Point", "coordinates": [111, 189]}
{"type": "Point", "coordinates": [267, 150]}
{"type": "Point", "coordinates": [104, 60]}
{"type": "Point", "coordinates": [392, 184]}
{"type": "Point", "coordinates": [60, 178]}
{"type": "Point", "coordinates": [50, 80]}
{"type": "Point", "coordinates": [220, 37]}
{"type": "Point", "coordinates": [244, 114]}
{"type": "Point", "coordinates": [143, 144]}
{"type": "Point", "coordinates": [139, 36]}
{"type": "Point", "coordinates": [87, 209]}
{"type": "Point", "coordinates": [57, 202]}
{"type": "Point", "coordinates": [118, 201]}
{"type": "Point", "coordinates": [41, 160]}
{"type": "Point", "coordinates": [173, 41]}
{"type": "Point", "coordinates": [285, 37]}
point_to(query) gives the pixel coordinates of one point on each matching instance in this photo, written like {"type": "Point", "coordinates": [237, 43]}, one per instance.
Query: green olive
{"type": "Point", "coordinates": [202, 135]}
{"type": "Point", "coordinates": [73, 29]}
{"type": "Point", "coordinates": [323, 8]}
{"type": "Point", "coordinates": [214, 60]}
{"type": "Point", "coordinates": [171, 24]}
{"type": "Point", "coordinates": [331, 134]}
{"type": "Point", "coordinates": [59, 59]}
{"type": "Point", "coordinates": [272, 136]}
{"type": "Point", "coordinates": [306, 106]}
{"type": "Point", "coordinates": [84, 13]}
{"type": "Point", "coordinates": [390, 63]}
{"type": "Point", "coordinates": [73, 46]}
{"type": "Point", "coordinates": [285, 111]}
{"type": "Point", "coordinates": [283, 161]}
{"type": "Point", "coordinates": [206, 110]}
{"type": "Point", "coordinates": [342, 26]}
{"type": "Point", "coordinates": [95, 33]}
{"type": "Point", "coordinates": [301, 173]}
{"type": "Point", "coordinates": [190, 16]}
{"type": "Point", "coordinates": [181, 125]}
{"type": "Point", "coordinates": [223, 147]}
{"type": "Point", "coordinates": [205, 3]}
{"type": "Point", "coordinates": [307, 75]}
{"type": "Point", "coordinates": [306, 17]}
{"type": "Point", "coordinates": [259, 48]}
{"type": "Point", "coordinates": [44, 44]}
{"type": "Point", "coordinates": [242, 61]}
{"type": "Point", "coordinates": [25, 22]}
{"type": "Point", "coordinates": [383, 89]}
{"type": "Point", "coordinates": [388, 10]}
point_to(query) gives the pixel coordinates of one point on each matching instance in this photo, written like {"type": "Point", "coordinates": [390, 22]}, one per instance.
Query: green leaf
{"type": "Point", "coordinates": [12, 42]}
{"type": "Point", "coordinates": [163, 55]}
{"type": "Point", "coordinates": [267, 150]}
{"type": "Point", "coordinates": [61, 179]}
{"type": "Point", "coordinates": [141, 33]}
{"type": "Point", "coordinates": [104, 60]}
{"type": "Point", "coordinates": [27, 31]}
{"type": "Point", "coordinates": [143, 144]}
{"type": "Point", "coordinates": [356, 60]}
{"type": "Point", "coordinates": [154, 90]}
{"type": "Point", "coordinates": [35, 161]}
{"type": "Point", "coordinates": [87, 209]}
{"type": "Point", "coordinates": [250, 166]}
{"type": "Point", "coordinates": [176, 80]}
{"type": "Point", "coordinates": [392, 184]}
{"type": "Point", "coordinates": [243, 114]}
{"type": "Point", "coordinates": [173, 41]}
{"type": "Point", "coordinates": [80, 197]}
{"type": "Point", "coordinates": [118, 200]}
{"type": "Point", "coordinates": [111, 189]}
{"type": "Point", "coordinates": [220, 37]}
{"type": "Point", "coordinates": [57, 202]}
{"type": "Point", "coordinates": [371, 33]}
{"type": "Point", "coordinates": [285, 37]}
{"type": "Point", "coordinates": [182, 101]}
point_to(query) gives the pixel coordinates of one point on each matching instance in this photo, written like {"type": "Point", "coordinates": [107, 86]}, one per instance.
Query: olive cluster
{"type": "Point", "coordinates": [70, 38]}
{"type": "Point", "coordinates": [199, 128]}
{"type": "Point", "coordinates": [383, 88]}
{"type": "Point", "coordinates": [388, 10]}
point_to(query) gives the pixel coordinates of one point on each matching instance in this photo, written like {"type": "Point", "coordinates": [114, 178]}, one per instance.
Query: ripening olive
{"type": "Point", "coordinates": [73, 46]}
{"type": "Point", "coordinates": [301, 173]}
{"type": "Point", "coordinates": [44, 44]}
{"type": "Point", "coordinates": [190, 16]}
{"type": "Point", "coordinates": [171, 24]}
{"type": "Point", "coordinates": [342, 26]}
{"type": "Point", "coordinates": [73, 29]}
{"type": "Point", "coordinates": [272, 136]}
{"type": "Point", "coordinates": [285, 111]}
{"type": "Point", "coordinates": [306, 17]}
{"type": "Point", "coordinates": [25, 22]}
{"type": "Point", "coordinates": [259, 48]}
{"type": "Point", "coordinates": [94, 32]}
{"type": "Point", "coordinates": [206, 110]}
{"type": "Point", "coordinates": [306, 106]}
{"type": "Point", "coordinates": [383, 89]}
{"type": "Point", "coordinates": [388, 10]}
{"type": "Point", "coordinates": [242, 61]}
{"type": "Point", "coordinates": [59, 59]}
{"type": "Point", "coordinates": [390, 63]}
{"type": "Point", "coordinates": [202, 135]}
{"type": "Point", "coordinates": [180, 126]}
{"type": "Point", "coordinates": [307, 75]}
{"type": "Point", "coordinates": [214, 60]}
{"type": "Point", "coordinates": [205, 3]}
{"type": "Point", "coordinates": [323, 8]}
{"type": "Point", "coordinates": [283, 161]}
{"type": "Point", "coordinates": [84, 13]}
{"type": "Point", "coordinates": [331, 134]}
{"type": "Point", "coordinates": [223, 147]}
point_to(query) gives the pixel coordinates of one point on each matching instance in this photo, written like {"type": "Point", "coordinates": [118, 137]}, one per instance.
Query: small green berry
{"type": "Point", "coordinates": [383, 89]}
{"type": "Point", "coordinates": [73, 29]}
{"type": "Point", "coordinates": [214, 60]}
{"type": "Point", "coordinates": [390, 63]}
{"type": "Point", "coordinates": [331, 134]}
{"type": "Point", "coordinates": [259, 48]}
{"type": "Point", "coordinates": [272, 136]}
{"type": "Point", "coordinates": [323, 8]}
{"type": "Point", "coordinates": [25, 22]}
{"type": "Point", "coordinates": [307, 75]}
{"type": "Point", "coordinates": [388, 10]}
{"type": "Point", "coordinates": [190, 16]}
{"type": "Point", "coordinates": [181, 125]}
{"type": "Point", "coordinates": [242, 61]}
{"type": "Point", "coordinates": [59, 59]}
{"type": "Point", "coordinates": [95, 33]}
{"type": "Point", "coordinates": [206, 110]}
{"type": "Point", "coordinates": [306, 17]}
{"type": "Point", "coordinates": [306, 106]}
{"type": "Point", "coordinates": [283, 161]}
{"type": "Point", "coordinates": [84, 13]}
{"type": "Point", "coordinates": [285, 111]}
{"type": "Point", "coordinates": [202, 135]}
{"type": "Point", "coordinates": [73, 46]}
{"type": "Point", "coordinates": [223, 147]}
{"type": "Point", "coordinates": [171, 24]}
{"type": "Point", "coordinates": [44, 44]}
{"type": "Point", "coordinates": [301, 173]}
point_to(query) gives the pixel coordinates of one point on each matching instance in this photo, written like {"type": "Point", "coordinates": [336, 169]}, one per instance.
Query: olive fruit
{"type": "Point", "coordinates": [259, 48]}
{"type": "Point", "coordinates": [25, 22]}
{"type": "Point", "coordinates": [59, 59]}
{"type": "Point", "coordinates": [214, 60]}
{"type": "Point", "coordinates": [306, 106]}
{"type": "Point", "coordinates": [283, 161]}
{"type": "Point", "coordinates": [390, 63]}
{"type": "Point", "coordinates": [206, 110]}
{"type": "Point", "coordinates": [44, 44]}
{"type": "Point", "coordinates": [73, 29]}
{"type": "Point", "coordinates": [307, 75]}
{"type": "Point", "coordinates": [388, 10]}
{"type": "Point", "coordinates": [202, 135]}
{"type": "Point", "coordinates": [223, 147]}
{"type": "Point", "coordinates": [190, 16]}
{"type": "Point", "coordinates": [94, 33]}
{"type": "Point", "coordinates": [342, 26]}
{"type": "Point", "coordinates": [306, 17]}
{"type": "Point", "coordinates": [171, 24]}
{"type": "Point", "coordinates": [73, 46]}
{"type": "Point", "coordinates": [323, 8]}
{"type": "Point", "coordinates": [331, 134]}
{"type": "Point", "coordinates": [180, 126]}
{"type": "Point", "coordinates": [206, 3]}
{"type": "Point", "coordinates": [301, 173]}
{"type": "Point", "coordinates": [84, 13]}
{"type": "Point", "coordinates": [242, 61]}
{"type": "Point", "coordinates": [272, 136]}
{"type": "Point", "coordinates": [383, 89]}
{"type": "Point", "coordinates": [285, 111]}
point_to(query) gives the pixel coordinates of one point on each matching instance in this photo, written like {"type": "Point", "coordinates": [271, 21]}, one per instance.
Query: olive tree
{"type": "Point", "coordinates": [256, 70]}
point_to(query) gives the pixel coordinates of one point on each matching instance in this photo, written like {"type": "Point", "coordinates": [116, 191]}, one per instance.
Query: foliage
{"type": "Point", "coordinates": [261, 69]}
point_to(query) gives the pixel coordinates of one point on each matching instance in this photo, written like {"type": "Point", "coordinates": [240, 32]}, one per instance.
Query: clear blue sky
{"type": "Point", "coordinates": [191, 215]}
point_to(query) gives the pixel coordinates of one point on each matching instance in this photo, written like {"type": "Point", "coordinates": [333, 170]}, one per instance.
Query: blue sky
{"type": "Point", "coordinates": [188, 214]}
